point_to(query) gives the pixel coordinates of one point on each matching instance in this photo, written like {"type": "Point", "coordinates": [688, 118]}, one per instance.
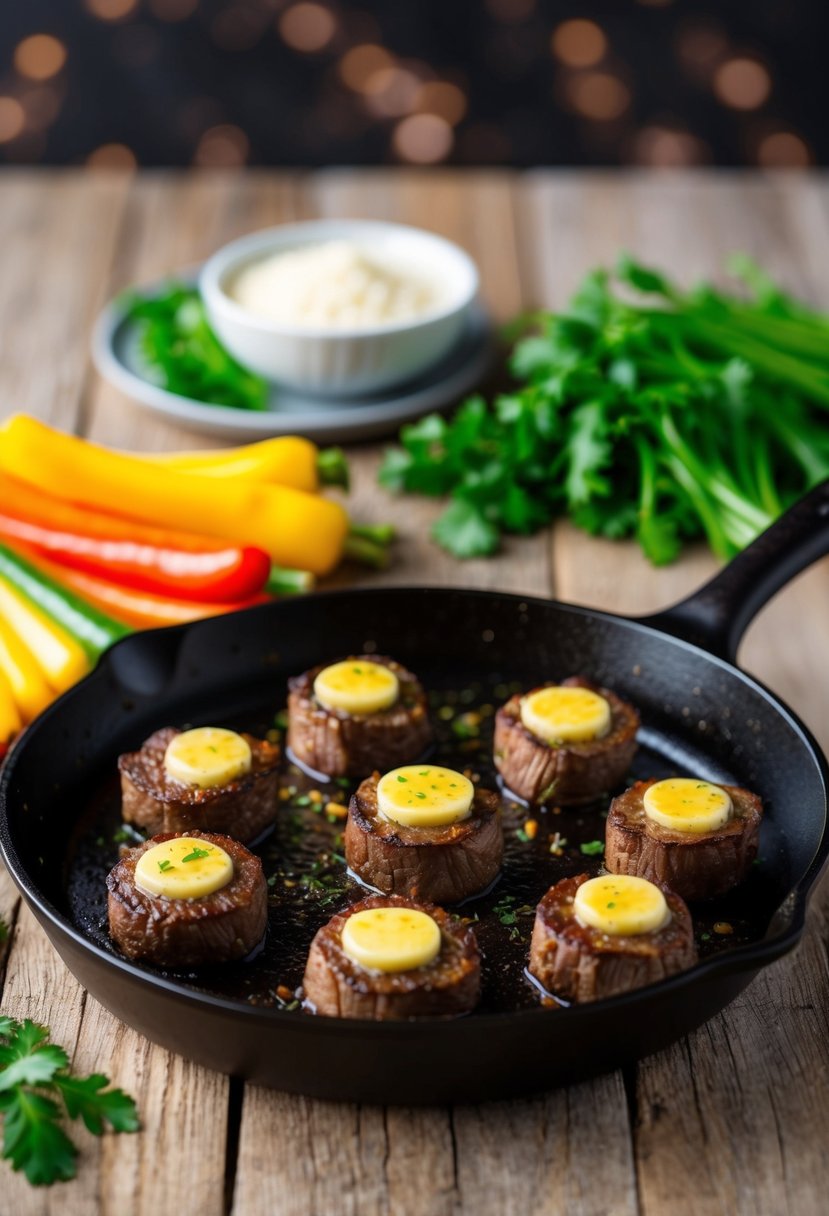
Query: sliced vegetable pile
{"type": "Point", "coordinates": [185, 356]}
{"type": "Point", "coordinates": [649, 412]}
{"type": "Point", "coordinates": [36, 1089]}
{"type": "Point", "coordinates": [95, 543]}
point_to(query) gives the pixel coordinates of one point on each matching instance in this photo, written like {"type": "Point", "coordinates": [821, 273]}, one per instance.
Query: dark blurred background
{"type": "Point", "coordinates": [223, 83]}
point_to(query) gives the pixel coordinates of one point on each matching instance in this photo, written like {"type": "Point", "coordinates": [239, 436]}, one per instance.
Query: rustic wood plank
{"type": "Point", "coordinates": [58, 231]}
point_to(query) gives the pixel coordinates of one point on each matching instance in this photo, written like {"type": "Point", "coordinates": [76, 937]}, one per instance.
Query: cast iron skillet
{"type": "Point", "coordinates": [700, 714]}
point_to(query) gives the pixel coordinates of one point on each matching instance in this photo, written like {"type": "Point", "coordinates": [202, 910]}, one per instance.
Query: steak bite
{"type": "Point", "coordinates": [583, 961]}
{"type": "Point", "coordinates": [702, 855]}
{"type": "Point", "coordinates": [349, 717]}
{"type": "Point", "coordinates": [156, 801]}
{"type": "Point", "coordinates": [338, 984]}
{"type": "Point", "coordinates": [223, 924]}
{"type": "Point", "coordinates": [444, 848]}
{"type": "Point", "coordinates": [558, 744]}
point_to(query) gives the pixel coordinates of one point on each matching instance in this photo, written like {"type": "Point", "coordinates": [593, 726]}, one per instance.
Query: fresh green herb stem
{"type": "Point", "coordinates": [284, 581]}
{"type": "Point", "coordinates": [332, 468]}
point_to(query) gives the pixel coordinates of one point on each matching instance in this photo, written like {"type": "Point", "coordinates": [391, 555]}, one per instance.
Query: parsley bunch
{"type": "Point", "coordinates": [185, 356]}
{"type": "Point", "coordinates": [34, 1081]}
{"type": "Point", "coordinates": [640, 411]}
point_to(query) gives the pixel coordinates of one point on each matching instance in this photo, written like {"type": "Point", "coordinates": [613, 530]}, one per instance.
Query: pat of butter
{"type": "Point", "coordinates": [391, 939]}
{"type": "Point", "coordinates": [357, 687]}
{"type": "Point", "coordinates": [207, 756]}
{"type": "Point", "coordinates": [618, 904]}
{"type": "Point", "coordinates": [565, 715]}
{"type": "Point", "coordinates": [425, 796]}
{"type": "Point", "coordinates": [685, 804]}
{"type": "Point", "coordinates": [184, 868]}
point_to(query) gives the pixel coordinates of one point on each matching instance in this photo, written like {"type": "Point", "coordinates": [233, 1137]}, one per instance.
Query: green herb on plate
{"type": "Point", "coordinates": [185, 356]}
{"type": "Point", "coordinates": [640, 411]}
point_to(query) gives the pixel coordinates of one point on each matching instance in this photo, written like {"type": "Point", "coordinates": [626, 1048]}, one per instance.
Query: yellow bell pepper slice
{"type": "Point", "coordinates": [59, 657]}
{"type": "Point", "coordinates": [297, 529]}
{"type": "Point", "coordinates": [284, 461]}
{"type": "Point", "coordinates": [10, 720]}
{"type": "Point", "coordinates": [25, 679]}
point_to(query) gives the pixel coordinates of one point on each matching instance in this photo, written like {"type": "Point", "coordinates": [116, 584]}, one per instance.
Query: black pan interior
{"type": "Point", "coordinates": [470, 649]}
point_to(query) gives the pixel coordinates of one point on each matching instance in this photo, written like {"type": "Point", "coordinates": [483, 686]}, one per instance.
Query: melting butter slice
{"type": "Point", "coordinates": [391, 939]}
{"type": "Point", "coordinates": [357, 687]}
{"type": "Point", "coordinates": [565, 715]}
{"type": "Point", "coordinates": [621, 905]}
{"type": "Point", "coordinates": [183, 868]}
{"type": "Point", "coordinates": [685, 804]}
{"type": "Point", "coordinates": [425, 796]}
{"type": "Point", "coordinates": [207, 756]}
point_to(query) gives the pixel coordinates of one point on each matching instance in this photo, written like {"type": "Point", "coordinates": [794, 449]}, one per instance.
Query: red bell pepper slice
{"type": "Point", "coordinates": [135, 555]}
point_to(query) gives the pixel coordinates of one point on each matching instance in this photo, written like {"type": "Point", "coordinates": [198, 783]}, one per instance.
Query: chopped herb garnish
{"type": "Point", "coordinates": [522, 835]}
{"type": "Point", "coordinates": [592, 848]}
{"type": "Point", "coordinates": [611, 905]}
{"type": "Point", "coordinates": [280, 720]}
{"type": "Point", "coordinates": [166, 865]}
{"type": "Point", "coordinates": [418, 794]}
{"type": "Point", "coordinates": [196, 854]}
{"type": "Point", "coordinates": [402, 779]}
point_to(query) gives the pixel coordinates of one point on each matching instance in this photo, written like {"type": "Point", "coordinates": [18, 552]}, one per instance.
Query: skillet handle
{"type": "Point", "coordinates": [717, 615]}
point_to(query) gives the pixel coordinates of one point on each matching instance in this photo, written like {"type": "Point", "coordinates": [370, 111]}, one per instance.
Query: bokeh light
{"type": "Point", "coordinates": [359, 64]}
{"type": "Point", "coordinates": [443, 98]}
{"type": "Point", "coordinates": [423, 139]}
{"type": "Point", "coordinates": [783, 150]}
{"type": "Point", "coordinates": [222, 147]}
{"type": "Point", "coordinates": [598, 96]}
{"type": "Point", "coordinates": [39, 56]}
{"type": "Point", "coordinates": [111, 156]}
{"type": "Point", "coordinates": [111, 10]}
{"type": "Point", "coordinates": [578, 43]}
{"type": "Point", "coordinates": [742, 83]}
{"type": "Point", "coordinates": [391, 92]}
{"type": "Point", "coordinates": [663, 147]}
{"type": "Point", "coordinates": [12, 119]}
{"type": "Point", "coordinates": [307, 27]}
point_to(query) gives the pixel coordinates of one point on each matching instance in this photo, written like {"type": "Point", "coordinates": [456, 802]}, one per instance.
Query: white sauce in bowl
{"type": "Point", "coordinates": [332, 285]}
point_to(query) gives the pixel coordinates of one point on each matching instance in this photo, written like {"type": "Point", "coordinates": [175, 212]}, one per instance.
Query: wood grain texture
{"type": "Point", "coordinates": [729, 1121]}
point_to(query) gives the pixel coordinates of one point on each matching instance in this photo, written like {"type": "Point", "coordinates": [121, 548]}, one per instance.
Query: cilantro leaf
{"type": "Point", "coordinates": [33, 1072]}
{"type": "Point", "coordinates": [33, 1140]}
{"type": "Point", "coordinates": [464, 530]}
{"type": "Point", "coordinates": [82, 1096]}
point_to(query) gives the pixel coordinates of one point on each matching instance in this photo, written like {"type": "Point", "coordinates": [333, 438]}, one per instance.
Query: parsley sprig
{"type": "Point", "coordinates": [34, 1080]}
{"type": "Point", "coordinates": [645, 411]}
{"type": "Point", "coordinates": [185, 355]}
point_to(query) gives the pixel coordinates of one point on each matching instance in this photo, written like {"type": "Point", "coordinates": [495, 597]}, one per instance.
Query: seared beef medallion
{"type": "Point", "coordinates": [156, 802]}
{"type": "Point", "coordinates": [567, 772]}
{"type": "Point", "coordinates": [341, 742]}
{"type": "Point", "coordinates": [695, 864]}
{"type": "Point", "coordinates": [443, 864]}
{"type": "Point", "coordinates": [580, 962]}
{"type": "Point", "coordinates": [224, 925]}
{"type": "Point", "coordinates": [338, 986]}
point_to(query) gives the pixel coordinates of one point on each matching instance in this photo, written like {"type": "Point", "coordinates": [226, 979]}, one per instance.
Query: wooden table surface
{"type": "Point", "coordinates": [732, 1119]}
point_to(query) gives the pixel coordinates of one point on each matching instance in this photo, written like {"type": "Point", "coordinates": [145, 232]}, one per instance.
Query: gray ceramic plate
{"type": "Point", "coordinates": [117, 357]}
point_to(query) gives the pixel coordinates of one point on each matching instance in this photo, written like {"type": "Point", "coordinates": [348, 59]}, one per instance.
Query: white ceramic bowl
{"type": "Point", "coordinates": [342, 362]}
